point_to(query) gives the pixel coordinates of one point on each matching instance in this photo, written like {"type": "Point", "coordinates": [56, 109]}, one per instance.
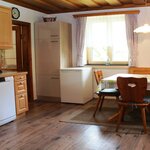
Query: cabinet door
{"type": "Point", "coordinates": [21, 93]}
{"type": "Point", "coordinates": [48, 85]}
{"type": "Point", "coordinates": [54, 28]}
{"type": "Point", "coordinates": [47, 56]}
{"type": "Point", "coordinates": [20, 86]}
{"type": "Point", "coordinates": [54, 86]}
{"type": "Point", "coordinates": [47, 30]}
{"type": "Point", "coordinates": [42, 56]}
{"type": "Point", "coordinates": [5, 28]}
{"type": "Point", "coordinates": [21, 103]}
{"type": "Point", "coordinates": [54, 58]}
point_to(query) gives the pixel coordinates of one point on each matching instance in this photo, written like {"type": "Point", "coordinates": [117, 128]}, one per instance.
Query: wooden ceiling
{"type": "Point", "coordinates": [62, 6]}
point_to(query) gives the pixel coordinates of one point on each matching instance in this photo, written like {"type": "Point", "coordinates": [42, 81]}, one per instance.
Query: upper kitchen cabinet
{"type": "Point", "coordinates": [5, 28]}
{"type": "Point", "coordinates": [53, 43]}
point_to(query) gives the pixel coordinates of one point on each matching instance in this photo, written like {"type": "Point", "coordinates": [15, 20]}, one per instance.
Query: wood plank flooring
{"type": "Point", "coordinates": [40, 129]}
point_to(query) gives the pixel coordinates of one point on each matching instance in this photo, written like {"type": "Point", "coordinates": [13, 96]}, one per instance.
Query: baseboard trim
{"type": "Point", "coordinates": [49, 99]}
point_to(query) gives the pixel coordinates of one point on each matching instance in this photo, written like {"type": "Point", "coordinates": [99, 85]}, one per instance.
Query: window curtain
{"type": "Point", "coordinates": [132, 39]}
{"type": "Point", "coordinates": [80, 39]}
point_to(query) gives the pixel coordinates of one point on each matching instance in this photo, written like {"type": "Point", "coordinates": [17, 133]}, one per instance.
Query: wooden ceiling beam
{"type": "Point", "coordinates": [113, 2]}
{"type": "Point", "coordinates": [139, 1]}
{"type": "Point", "coordinates": [77, 3]}
{"type": "Point", "coordinates": [125, 1]}
{"type": "Point", "coordinates": [89, 3]}
{"type": "Point", "coordinates": [53, 7]}
{"type": "Point", "coordinates": [106, 13]}
{"type": "Point", "coordinates": [101, 2]}
{"type": "Point", "coordinates": [64, 4]}
{"type": "Point", "coordinates": [106, 8]}
{"type": "Point", "coordinates": [23, 4]}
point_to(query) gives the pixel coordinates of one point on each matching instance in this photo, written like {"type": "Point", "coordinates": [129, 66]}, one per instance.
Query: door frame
{"type": "Point", "coordinates": [29, 58]}
{"type": "Point", "coordinates": [17, 29]}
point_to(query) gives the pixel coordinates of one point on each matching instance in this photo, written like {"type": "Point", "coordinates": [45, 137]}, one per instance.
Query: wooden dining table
{"type": "Point", "coordinates": [111, 82]}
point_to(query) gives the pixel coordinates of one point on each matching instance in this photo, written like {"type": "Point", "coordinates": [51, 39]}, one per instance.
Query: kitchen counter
{"type": "Point", "coordinates": [11, 73]}
{"type": "Point", "coordinates": [20, 90]}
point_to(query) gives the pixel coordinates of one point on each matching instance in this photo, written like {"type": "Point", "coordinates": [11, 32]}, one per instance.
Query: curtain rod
{"type": "Point", "coordinates": [107, 13]}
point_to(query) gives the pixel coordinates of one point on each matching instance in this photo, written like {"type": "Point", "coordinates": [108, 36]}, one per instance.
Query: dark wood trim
{"type": "Point", "coordinates": [17, 2]}
{"type": "Point", "coordinates": [107, 13]}
{"type": "Point", "coordinates": [16, 22]}
{"type": "Point", "coordinates": [28, 55]}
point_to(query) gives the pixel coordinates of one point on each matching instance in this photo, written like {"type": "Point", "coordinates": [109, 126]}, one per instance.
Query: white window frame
{"type": "Point", "coordinates": [90, 61]}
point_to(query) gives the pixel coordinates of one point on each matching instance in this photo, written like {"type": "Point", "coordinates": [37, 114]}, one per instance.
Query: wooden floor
{"type": "Point", "coordinates": [40, 129]}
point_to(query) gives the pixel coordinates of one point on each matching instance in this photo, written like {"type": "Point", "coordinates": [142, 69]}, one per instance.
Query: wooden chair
{"type": "Point", "coordinates": [104, 92]}
{"type": "Point", "coordinates": [132, 91]}
{"type": "Point", "coordinates": [139, 70]}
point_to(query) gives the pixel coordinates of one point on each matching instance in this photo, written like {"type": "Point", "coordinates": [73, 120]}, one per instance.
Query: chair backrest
{"type": "Point", "coordinates": [132, 89]}
{"type": "Point", "coordinates": [139, 70]}
{"type": "Point", "coordinates": [98, 76]}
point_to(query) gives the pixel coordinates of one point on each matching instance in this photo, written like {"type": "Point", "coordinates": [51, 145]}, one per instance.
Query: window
{"type": "Point", "coordinates": [105, 40]}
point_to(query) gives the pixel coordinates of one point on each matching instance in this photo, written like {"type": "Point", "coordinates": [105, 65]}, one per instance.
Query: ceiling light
{"type": "Point", "coordinates": [143, 29]}
{"type": "Point", "coordinates": [146, 27]}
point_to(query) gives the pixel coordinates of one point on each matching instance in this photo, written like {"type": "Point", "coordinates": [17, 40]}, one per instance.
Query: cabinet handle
{"type": "Point", "coordinates": [54, 41]}
{"type": "Point", "coordinates": [21, 77]}
{"type": "Point", "coordinates": [21, 96]}
{"type": "Point", "coordinates": [54, 77]}
{"type": "Point", "coordinates": [54, 35]}
{"type": "Point", "coordinates": [21, 83]}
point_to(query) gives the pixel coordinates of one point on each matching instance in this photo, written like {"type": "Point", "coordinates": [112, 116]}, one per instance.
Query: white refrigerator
{"type": "Point", "coordinates": [76, 85]}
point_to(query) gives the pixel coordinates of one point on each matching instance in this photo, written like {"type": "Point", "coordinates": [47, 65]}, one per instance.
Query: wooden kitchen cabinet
{"type": "Point", "coordinates": [5, 28]}
{"type": "Point", "coordinates": [53, 52]}
{"type": "Point", "coordinates": [21, 93]}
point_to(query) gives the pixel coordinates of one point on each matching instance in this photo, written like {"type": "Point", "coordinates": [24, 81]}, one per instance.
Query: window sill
{"type": "Point", "coordinates": [108, 66]}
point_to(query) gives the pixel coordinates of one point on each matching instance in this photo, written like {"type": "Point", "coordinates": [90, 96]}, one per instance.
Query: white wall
{"type": "Point", "coordinates": [30, 16]}
{"type": "Point", "coordinates": [143, 55]}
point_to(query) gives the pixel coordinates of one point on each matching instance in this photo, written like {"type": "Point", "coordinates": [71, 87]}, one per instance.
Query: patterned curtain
{"type": "Point", "coordinates": [80, 39]}
{"type": "Point", "coordinates": [132, 38]}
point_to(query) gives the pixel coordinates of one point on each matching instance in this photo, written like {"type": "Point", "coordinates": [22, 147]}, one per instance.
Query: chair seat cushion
{"type": "Point", "coordinates": [147, 99]}
{"type": "Point", "coordinates": [109, 92]}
